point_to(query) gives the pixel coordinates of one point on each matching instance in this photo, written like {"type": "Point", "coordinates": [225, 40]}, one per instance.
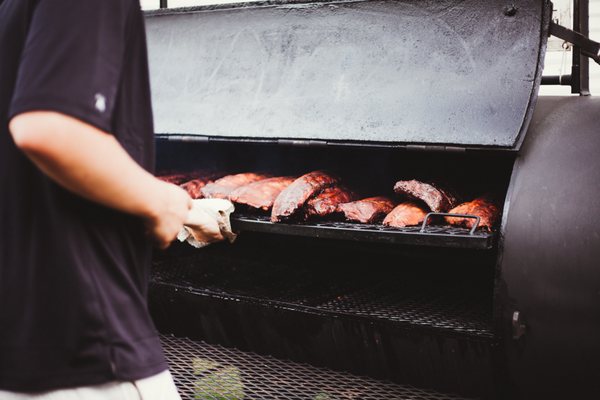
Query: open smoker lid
{"type": "Point", "coordinates": [448, 72]}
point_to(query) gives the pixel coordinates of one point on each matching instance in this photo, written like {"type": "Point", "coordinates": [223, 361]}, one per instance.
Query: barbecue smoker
{"type": "Point", "coordinates": [380, 91]}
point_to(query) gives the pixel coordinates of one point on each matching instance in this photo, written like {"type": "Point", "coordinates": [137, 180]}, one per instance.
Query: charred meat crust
{"type": "Point", "coordinates": [436, 198]}
{"type": "Point", "coordinates": [367, 210]}
{"type": "Point", "coordinates": [292, 198]}
{"type": "Point", "coordinates": [326, 202]}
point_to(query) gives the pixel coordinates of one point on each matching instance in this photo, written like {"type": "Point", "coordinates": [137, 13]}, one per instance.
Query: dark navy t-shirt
{"type": "Point", "coordinates": [73, 274]}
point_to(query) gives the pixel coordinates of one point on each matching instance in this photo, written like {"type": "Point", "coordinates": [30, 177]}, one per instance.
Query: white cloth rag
{"type": "Point", "coordinates": [208, 222]}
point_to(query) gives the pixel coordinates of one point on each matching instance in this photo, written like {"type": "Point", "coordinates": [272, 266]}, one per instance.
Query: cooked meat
{"type": "Point", "coordinates": [438, 199]}
{"type": "Point", "coordinates": [293, 197]}
{"type": "Point", "coordinates": [194, 186]}
{"type": "Point", "coordinates": [406, 214]}
{"type": "Point", "coordinates": [326, 202]}
{"type": "Point", "coordinates": [179, 178]}
{"type": "Point", "coordinates": [261, 194]}
{"type": "Point", "coordinates": [221, 188]}
{"type": "Point", "coordinates": [368, 210]}
{"type": "Point", "coordinates": [483, 208]}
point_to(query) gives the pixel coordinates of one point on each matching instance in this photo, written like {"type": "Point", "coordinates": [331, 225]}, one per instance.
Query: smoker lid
{"type": "Point", "coordinates": [450, 72]}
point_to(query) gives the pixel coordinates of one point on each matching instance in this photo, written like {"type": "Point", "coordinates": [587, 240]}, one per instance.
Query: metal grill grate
{"type": "Point", "coordinates": [452, 306]}
{"type": "Point", "coordinates": [204, 371]}
{"type": "Point", "coordinates": [434, 235]}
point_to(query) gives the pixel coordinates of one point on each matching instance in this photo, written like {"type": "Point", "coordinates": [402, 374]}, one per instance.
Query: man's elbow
{"type": "Point", "coordinates": [32, 132]}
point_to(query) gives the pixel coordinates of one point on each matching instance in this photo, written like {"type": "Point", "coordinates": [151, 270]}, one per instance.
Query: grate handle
{"type": "Point", "coordinates": [435, 214]}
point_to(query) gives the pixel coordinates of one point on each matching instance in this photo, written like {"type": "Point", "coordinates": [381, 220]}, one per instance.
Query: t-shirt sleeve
{"type": "Point", "coordinates": [72, 60]}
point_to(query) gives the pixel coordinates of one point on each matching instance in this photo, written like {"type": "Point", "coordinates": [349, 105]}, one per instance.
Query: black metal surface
{"type": "Point", "coordinates": [563, 80]}
{"type": "Point", "coordinates": [550, 264]}
{"type": "Point", "coordinates": [448, 72]}
{"type": "Point", "coordinates": [431, 235]}
{"type": "Point", "coordinates": [587, 47]}
{"type": "Point", "coordinates": [204, 371]}
{"type": "Point", "coordinates": [579, 64]}
{"type": "Point", "coordinates": [452, 308]}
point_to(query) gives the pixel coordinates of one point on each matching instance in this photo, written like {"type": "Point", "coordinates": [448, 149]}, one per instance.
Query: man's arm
{"type": "Point", "coordinates": [92, 164]}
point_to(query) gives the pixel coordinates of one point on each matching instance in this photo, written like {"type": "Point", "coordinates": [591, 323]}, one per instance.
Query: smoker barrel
{"type": "Point", "coordinates": [377, 91]}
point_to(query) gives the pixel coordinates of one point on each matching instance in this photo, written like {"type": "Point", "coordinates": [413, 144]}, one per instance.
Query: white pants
{"type": "Point", "coordinates": [157, 387]}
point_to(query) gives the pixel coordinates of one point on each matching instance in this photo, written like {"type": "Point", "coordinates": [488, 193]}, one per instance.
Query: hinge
{"type": "Point", "coordinates": [588, 47]}
{"type": "Point", "coordinates": [184, 138]}
{"type": "Point", "coordinates": [433, 147]}
{"type": "Point", "coordinates": [518, 327]}
{"type": "Point", "coordinates": [302, 142]}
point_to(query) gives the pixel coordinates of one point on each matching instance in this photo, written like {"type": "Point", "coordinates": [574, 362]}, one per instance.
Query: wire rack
{"type": "Point", "coordinates": [204, 371]}
{"type": "Point", "coordinates": [433, 235]}
{"type": "Point", "coordinates": [459, 306]}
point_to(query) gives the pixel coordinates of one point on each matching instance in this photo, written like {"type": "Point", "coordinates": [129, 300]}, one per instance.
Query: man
{"type": "Point", "coordinates": [77, 203]}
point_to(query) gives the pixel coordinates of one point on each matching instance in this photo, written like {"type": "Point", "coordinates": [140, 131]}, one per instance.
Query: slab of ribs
{"type": "Point", "coordinates": [179, 178]}
{"type": "Point", "coordinates": [367, 211]}
{"type": "Point", "coordinates": [481, 207]}
{"type": "Point", "coordinates": [292, 198]}
{"type": "Point", "coordinates": [221, 188]}
{"type": "Point", "coordinates": [261, 194]}
{"type": "Point", "coordinates": [327, 202]}
{"type": "Point", "coordinates": [409, 213]}
{"type": "Point", "coordinates": [195, 186]}
{"type": "Point", "coordinates": [436, 198]}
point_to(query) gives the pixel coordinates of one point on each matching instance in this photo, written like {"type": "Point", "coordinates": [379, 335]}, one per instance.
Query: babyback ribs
{"type": "Point", "coordinates": [261, 194]}
{"type": "Point", "coordinates": [221, 188]}
{"type": "Point", "coordinates": [194, 187]}
{"type": "Point", "coordinates": [367, 210]}
{"type": "Point", "coordinates": [293, 197]}
{"type": "Point", "coordinates": [327, 201]}
{"type": "Point", "coordinates": [179, 178]}
{"type": "Point", "coordinates": [406, 214]}
{"type": "Point", "coordinates": [481, 207]}
{"type": "Point", "coordinates": [438, 199]}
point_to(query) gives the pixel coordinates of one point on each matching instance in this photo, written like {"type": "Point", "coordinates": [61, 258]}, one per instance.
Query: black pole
{"type": "Point", "coordinates": [584, 62]}
{"type": "Point", "coordinates": [580, 82]}
{"type": "Point", "coordinates": [163, 4]}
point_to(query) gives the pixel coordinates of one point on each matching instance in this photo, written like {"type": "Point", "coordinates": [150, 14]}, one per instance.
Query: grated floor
{"type": "Point", "coordinates": [205, 371]}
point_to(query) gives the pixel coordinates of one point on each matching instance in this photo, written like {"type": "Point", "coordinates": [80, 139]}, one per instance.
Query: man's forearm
{"type": "Point", "coordinates": [87, 161]}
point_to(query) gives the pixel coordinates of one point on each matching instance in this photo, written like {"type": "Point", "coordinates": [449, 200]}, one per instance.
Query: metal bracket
{"type": "Point", "coordinates": [518, 327]}
{"type": "Point", "coordinates": [588, 47]}
{"type": "Point", "coordinates": [439, 214]}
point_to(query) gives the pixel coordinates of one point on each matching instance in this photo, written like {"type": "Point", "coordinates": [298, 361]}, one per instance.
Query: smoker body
{"type": "Point", "coordinates": [289, 87]}
{"type": "Point", "coordinates": [548, 265]}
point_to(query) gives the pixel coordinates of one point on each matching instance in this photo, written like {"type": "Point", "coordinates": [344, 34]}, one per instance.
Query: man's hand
{"type": "Point", "coordinates": [169, 217]}
{"type": "Point", "coordinates": [91, 163]}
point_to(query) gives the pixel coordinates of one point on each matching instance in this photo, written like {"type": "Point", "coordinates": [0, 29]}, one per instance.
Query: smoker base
{"type": "Point", "coordinates": [205, 371]}
{"type": "Point", "coordinates": [423, 320]}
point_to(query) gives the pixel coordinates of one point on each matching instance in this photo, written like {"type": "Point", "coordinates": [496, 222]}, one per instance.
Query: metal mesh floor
{"type": "Point", "coordinates": [204, 371]}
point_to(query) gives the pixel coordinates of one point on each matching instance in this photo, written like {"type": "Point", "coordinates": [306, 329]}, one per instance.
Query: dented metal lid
{"type": "Point", "coordinates": [449, 72]}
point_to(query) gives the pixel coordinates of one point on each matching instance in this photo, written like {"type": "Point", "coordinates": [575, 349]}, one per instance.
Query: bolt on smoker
{"type": "Point", "coordinates": [380, 91]}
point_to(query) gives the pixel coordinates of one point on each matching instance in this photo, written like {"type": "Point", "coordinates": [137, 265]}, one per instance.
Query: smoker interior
{"type": "Point", "coordinates": [418, 315]}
